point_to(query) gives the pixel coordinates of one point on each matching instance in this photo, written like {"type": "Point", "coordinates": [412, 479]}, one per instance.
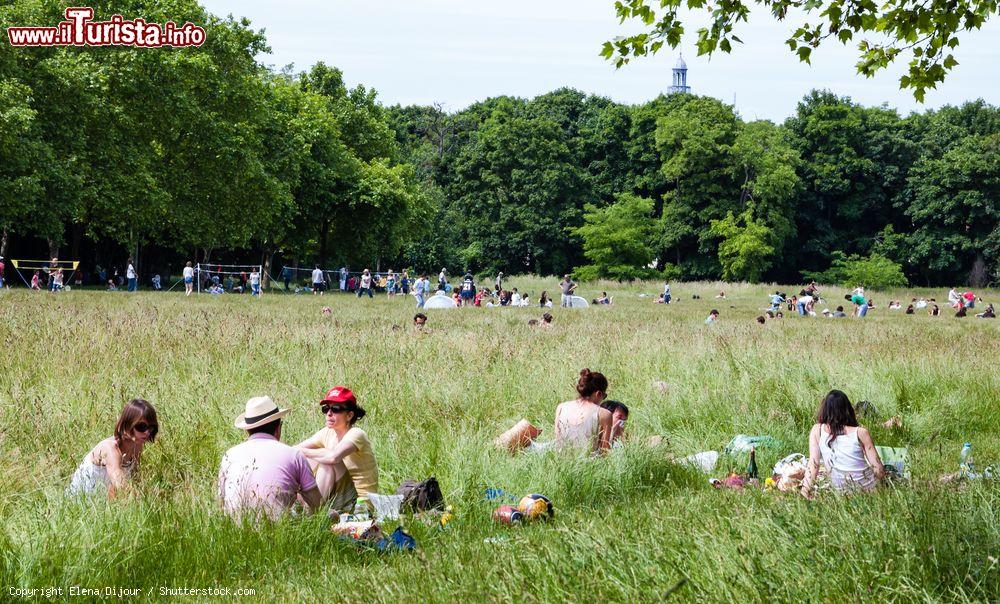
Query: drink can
{"type": "Point", "coordinates": [507, 514]}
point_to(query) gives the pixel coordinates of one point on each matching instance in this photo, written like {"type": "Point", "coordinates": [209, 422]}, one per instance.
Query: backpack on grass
{"type": "Point", "coordinates": [420, 496]}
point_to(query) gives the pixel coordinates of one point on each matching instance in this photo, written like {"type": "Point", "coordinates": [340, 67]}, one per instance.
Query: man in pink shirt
{"type": "Point", "coordinates": [262, 474]}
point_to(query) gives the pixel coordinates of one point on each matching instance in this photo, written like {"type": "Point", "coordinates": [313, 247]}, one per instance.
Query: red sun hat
{"type": "Point", "coordinates": [339, 394]}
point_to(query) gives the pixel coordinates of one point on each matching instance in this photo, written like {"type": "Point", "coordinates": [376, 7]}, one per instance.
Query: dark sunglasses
{"type": "Point", "coordinates": [335, 408]}
{"type": "Point", "coordinates": [144, 427]}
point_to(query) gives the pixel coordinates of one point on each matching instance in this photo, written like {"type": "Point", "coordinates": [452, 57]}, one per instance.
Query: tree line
{"type": "Point", "coordinates": [202, 151]}
{"type": "Point", "coordinates": [683, 187]}
{"type": "Point", "coordinates": [206, 154]}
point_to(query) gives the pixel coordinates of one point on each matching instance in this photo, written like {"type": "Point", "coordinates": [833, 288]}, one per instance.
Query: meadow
{"type": "Point", "coordinates": [631, 527]}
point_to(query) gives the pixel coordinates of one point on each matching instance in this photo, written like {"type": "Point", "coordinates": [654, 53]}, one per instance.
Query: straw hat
{"type": "Point", "coordinates": [260, 410]}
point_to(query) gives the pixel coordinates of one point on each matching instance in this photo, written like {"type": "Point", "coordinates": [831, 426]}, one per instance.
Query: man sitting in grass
{"type": "Point", "coordinates": [262, 475]}
{"type": "Point", "coordinates": [713, 317]}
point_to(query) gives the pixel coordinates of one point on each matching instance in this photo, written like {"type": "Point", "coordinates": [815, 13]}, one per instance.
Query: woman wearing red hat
{"type": "Point", "coordinates": [340, 453]}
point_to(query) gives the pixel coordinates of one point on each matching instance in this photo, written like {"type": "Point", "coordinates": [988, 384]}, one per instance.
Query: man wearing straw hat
{"type": "Point", "coordinates": [262, 474]}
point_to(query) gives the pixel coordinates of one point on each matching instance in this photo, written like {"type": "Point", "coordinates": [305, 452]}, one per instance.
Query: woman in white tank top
{"type": "Point", "coordinates": [108, 467]}
{"type": "Point", "coordinates": [582, 423]}
{"type": "Point", "coordinates": [844, 447]}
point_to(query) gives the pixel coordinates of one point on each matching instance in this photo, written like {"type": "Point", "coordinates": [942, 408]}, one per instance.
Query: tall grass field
{"type": "Point", "coordinates": [633, 526]}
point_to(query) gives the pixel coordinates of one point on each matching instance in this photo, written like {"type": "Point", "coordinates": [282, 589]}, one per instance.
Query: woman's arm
{"type": "Point", "coordinates": [116, 473]}
{"type": "Point", "coordinates": [871, 453]}
{"type": "Point", "coordinates": [813, 468]}
{"type": "Point", "coordinates": [603, 430]}
{"type": "Point", "coordinates": [557, 431]}
{"type": "Point", "coordinates": [313, 442]}
{"type": "Point", "coordinates": [331, 456]}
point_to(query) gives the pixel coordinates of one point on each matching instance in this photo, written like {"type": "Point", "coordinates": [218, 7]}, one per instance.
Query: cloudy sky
{"type": "Point", "coordinates": [457, 52]}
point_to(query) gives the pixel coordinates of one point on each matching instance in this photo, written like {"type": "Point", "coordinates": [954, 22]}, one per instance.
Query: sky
{"type": "Point", "coordinates": [458, 52]}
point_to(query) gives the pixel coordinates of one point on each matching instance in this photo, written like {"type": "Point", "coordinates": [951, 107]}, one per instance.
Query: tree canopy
{"type": "Point", "coordinates": [925, 34]}
{"type": "Point", "coordinates": [204, 153]}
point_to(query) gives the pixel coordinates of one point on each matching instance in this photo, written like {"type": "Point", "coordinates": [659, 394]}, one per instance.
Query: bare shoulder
{"type": "Point", "coordinates": [103, 450]}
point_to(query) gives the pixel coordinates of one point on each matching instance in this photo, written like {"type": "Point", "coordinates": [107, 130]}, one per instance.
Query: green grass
{"type": "Point", "coordinates": [632, 527]}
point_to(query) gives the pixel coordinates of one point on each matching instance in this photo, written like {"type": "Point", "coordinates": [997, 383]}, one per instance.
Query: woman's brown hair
{"type": "Point", "coordinates": [135, 410]}
{"type": "Point", "coordinates": [591, 382]}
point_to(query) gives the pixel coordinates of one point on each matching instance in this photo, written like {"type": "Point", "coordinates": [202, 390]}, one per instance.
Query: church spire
{"type": "Point", "coordinates": [680, 77]}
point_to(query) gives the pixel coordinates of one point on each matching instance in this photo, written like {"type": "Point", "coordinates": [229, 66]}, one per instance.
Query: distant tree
{"type": "Point", "coordinates": [618, 239]}
{"type": "Point", "coordinates": [853, 162]}
{"type": "Point", "coordinates": [955, 208]}
{"type": "Point", "coordinates": [766, 166]}
{"type": "Point", "coordinates": [745, 251]}
{"type": "Point", "coordinates": [519, 187]}
{"type": "Point", "coordinates": [877, 272]}
{"type": "Point", "coordinates": [695, 141]}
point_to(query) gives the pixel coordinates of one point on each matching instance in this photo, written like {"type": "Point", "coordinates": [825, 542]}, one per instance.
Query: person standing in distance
{"type": "Point", "coordinates": [131, 275]}
{"type": "Point", "coordinates": [254, 282]}
{"type": "Point", "coordinates": [188, 279]}
{"type": "Point", "coordinates": [468, 289]}
{"type": "Point", "coordinates": [317, 280]}
{"type": "Point", "coordinates": [366, 284]}
{"type": "Point", "coordinates": [420, 289]}
{"type": "Point", "coordinates": [567, 286]}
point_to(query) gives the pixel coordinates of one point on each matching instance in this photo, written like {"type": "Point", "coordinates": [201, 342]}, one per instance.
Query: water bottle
{"type": "Point", "coordinates": [965, 467]}
{"type": "Point", "coordinates": [362, 510]}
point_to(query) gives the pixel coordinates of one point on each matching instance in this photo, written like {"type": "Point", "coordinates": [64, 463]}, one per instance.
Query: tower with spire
{"type": "Point", "coordinates": [680, 77]}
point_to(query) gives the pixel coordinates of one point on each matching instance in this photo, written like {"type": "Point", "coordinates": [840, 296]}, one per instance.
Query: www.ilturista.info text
{"type": "Point", "coordinates": [80, 29]}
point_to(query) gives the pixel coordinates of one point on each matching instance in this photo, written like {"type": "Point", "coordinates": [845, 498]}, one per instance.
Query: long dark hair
{"type": "Point", "coordinates": [837, 412]}
{"type": "Point", "coordinates": [135, 410]}
{"type": "Point", "coordinates": [591, 382]}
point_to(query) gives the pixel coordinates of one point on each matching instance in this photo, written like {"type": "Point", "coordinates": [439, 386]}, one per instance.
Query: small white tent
{"type": "Point", "coordinates": [578, 302]}
{"type": "Point", "coordinates": [439, 301]}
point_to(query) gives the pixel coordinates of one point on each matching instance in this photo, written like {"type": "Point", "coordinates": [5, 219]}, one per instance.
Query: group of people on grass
{"type": "Point", "coordinates": [806, 300]}
{"type": "Point", "coordinates": [364, 283]}
{"type": "Point", "coordinates": [51, 278]}
{"type": "Point", "coordinates": [261, 475]}
{"type": "Point", "coordinates": [336, 465]}
{"type": "Point", "coordinates": [468, 293]}
{"type": "Point", "coordinates": [220, 282]}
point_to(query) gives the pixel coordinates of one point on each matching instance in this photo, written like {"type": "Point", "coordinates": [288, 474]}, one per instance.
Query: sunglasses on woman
{"type": "Point", "coordinates": [335, 408]}
{"type": "Point", "coordinates": [144, 427]}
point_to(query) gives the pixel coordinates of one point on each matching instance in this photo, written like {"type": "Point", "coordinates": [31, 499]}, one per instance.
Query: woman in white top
{"type": "Point", "coordinates": [582, 423]}
{"type": "Point", "coordinates": [845, 448]}
{"type": "Point", "coordinates": [110, 464]}
{"type": "Point", "coordinates": [188, 279]}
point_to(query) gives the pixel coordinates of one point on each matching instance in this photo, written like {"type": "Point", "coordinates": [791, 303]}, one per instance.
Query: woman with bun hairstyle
{"type": "Point", "coordinates": [582, 423]}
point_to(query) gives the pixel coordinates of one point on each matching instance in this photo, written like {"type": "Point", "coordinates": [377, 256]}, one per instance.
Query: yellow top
{"type": "Point", "coordinates": [360, 464]}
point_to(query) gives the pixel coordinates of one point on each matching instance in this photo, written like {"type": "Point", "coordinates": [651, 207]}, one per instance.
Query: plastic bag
{"type": "Point", "coordinates": [742, 443]}
{"type": "Point", "coordinates": [704, 461]}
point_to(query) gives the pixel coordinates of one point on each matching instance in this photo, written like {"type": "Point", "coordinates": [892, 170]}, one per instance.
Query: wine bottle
{"type": "Point", "coordinates": [752, 468]}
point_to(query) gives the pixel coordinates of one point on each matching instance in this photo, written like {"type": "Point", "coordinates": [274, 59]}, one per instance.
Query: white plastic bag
{"type": "Point", "coordinates": [386, 506]}
{"type": "Point", "coordinates": [704, 461]}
